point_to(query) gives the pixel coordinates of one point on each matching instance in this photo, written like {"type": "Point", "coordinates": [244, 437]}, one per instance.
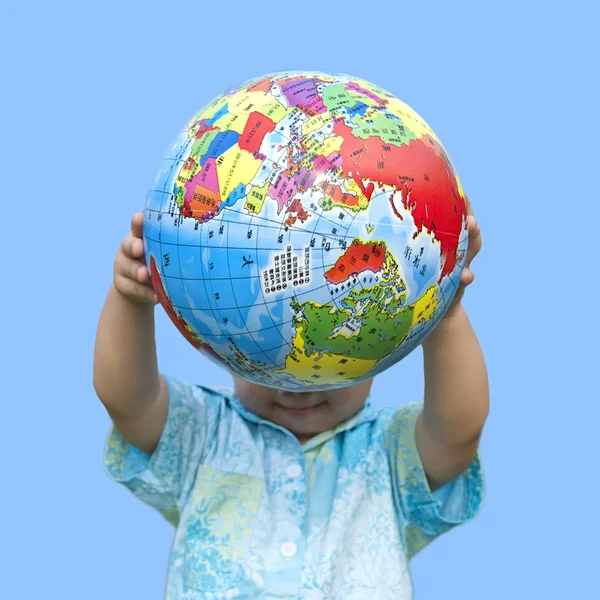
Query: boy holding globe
{"type": "Point", "coordinates": [290, 495]}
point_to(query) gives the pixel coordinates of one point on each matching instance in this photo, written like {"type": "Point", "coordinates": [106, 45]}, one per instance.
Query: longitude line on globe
{"type": "Point", "coordinates": [262, 293]}
{"type": "Point", "coordinates": [235, 297]}
{"type": "Point", "coordinates": [201, 263]}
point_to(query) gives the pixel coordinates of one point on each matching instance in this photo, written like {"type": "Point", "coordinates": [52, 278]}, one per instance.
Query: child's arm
{"type": "Point", "coordinates": [456, 401]}
{"type": "Point", "coordinates": [126, 376]}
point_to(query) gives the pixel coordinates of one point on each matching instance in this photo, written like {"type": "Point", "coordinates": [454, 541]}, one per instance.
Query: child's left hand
{"type": "Point", "coordinates": [467, 276]}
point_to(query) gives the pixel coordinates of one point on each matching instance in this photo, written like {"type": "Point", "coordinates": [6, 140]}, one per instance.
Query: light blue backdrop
{"type": "Point", "coordinates": [92, 94]}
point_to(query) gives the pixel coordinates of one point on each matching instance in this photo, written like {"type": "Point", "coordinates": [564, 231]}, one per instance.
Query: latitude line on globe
{"type": "Point", "coordinates": [266, 302]}
{"type": "Point", "coordinates": [262, 352]}
{"type": "Point", "coordinates": [237, 277]}
{"type": "Point", "coordinates": [293, 228]}
{"type": "Point", "coordinates": [277, 224]}
{"type": "Point", "coordinates": [358, 282]}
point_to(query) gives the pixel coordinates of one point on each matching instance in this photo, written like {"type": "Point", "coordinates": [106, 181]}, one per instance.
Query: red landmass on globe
{"type": "Point", "coordinates": [296, 211]}
{"type": "Point", "coordinates": [422, 169]}
{"type": "Point", "coordinates": [179, 322]}
{"type": "Point", "coordinates": [359, 257]}
{"type": "Point", "coordinates": [257, 126]}
{"type": "Point", "coordinates": [367, 191]}
{"type": "Point", "coordinates": [337, 195]}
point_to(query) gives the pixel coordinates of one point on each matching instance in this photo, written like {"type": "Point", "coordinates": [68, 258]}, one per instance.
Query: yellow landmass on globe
{"type": "Point", "coordinates": [234, 167]}
{"type": "Point", "coordinates": [276, 111]}
{"type": "Point", "coordinates": [315, 123]}
{"type": "Point", "coordinates": [425, 306]}
{"type": "Point", "coordinates": [255, 198]}
{"type": "Point", "coordinates": [188, 170]}
{"type": "Point", "coordinates": [304, 367]}
{"type": "Point", "coordinates": [353, 188]}
{"type": "Point", "coordinates": [332, 144]}
{"type": "Point", "coordinates": [232, 122]}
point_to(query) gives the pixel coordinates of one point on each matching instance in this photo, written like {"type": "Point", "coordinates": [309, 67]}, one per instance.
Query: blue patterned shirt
{"type": "Point", "coordinates": [258, 515]}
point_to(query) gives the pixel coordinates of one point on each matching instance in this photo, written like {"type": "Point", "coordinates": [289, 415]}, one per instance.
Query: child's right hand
{"type": "Point", "coordinates": [131, 275]}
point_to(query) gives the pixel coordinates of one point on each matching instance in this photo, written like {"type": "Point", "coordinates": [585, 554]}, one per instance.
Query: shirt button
{"type": "Point", "coordinates": [288, 549]}
{"type": "Point", "coordinates": [294, 471]}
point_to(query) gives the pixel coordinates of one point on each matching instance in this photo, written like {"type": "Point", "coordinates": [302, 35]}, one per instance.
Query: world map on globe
{"type": "Point", "coordinates": [306, 230]}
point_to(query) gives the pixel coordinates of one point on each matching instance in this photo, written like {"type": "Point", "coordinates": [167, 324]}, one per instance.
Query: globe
{"type": "Point", "coordinates": [306, 230]}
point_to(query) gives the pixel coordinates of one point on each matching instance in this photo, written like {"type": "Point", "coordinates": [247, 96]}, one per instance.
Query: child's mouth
{"type": "Point", "coordinates": [301, 411]}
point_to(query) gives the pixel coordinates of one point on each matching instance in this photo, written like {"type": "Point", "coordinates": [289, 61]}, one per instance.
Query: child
{"type": "Point", "coordinates": [276, 494]}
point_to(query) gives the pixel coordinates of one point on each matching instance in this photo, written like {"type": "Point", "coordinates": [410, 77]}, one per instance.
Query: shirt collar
{"type": "Point", "coordinates": [366, 414]}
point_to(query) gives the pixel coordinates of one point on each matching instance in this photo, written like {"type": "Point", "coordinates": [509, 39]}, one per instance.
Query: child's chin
{"type": "Point", "coordinates": [306, 427]}
{"type": "Point", "coordinates": [307, 431]}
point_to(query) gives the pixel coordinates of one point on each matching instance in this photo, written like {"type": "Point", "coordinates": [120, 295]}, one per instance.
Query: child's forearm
{"type": "Point", "coordinates": [126, 376]}
{"type": "Point", "coordinates": [456, 383]}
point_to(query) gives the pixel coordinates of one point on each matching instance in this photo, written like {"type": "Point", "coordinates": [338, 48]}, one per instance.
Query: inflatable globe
{"type": "Point", "coordinates": [306, 230]}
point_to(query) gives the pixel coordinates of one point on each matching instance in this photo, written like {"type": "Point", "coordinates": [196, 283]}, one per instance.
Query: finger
{"type": "Point", "coordinates": [134, 289]}
{"type": "Point", "coordinates": [132, 247]}
{"type": "Point", "coordinates": [473, 226]}
{"type": "Point", "coordinates": [126, 245]}
{"type": "Point", "coordinates": [137, 225]}
{"type": "Point", "coordinates": [136, 270]}
{"type": "Point", "coordinates": [142, 273]}
{"type": "Point", "coordinates": [474, 245]}
{"type": "Point", "coordinates": [467, 277]}
{"type": "Point", "coordinates": [131, 267]}
{"type": "Point", "coordinates": [137, 248]}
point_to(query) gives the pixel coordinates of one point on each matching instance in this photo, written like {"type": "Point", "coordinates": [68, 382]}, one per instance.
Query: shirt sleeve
{"type": "Point", "coordinates": [164, 479]}
{"type": "Point", "coordinates": [427, 515]}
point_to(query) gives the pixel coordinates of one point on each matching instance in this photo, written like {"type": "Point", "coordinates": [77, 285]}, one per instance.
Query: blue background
{"type": "Point", "coordinates": [93, 93]}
